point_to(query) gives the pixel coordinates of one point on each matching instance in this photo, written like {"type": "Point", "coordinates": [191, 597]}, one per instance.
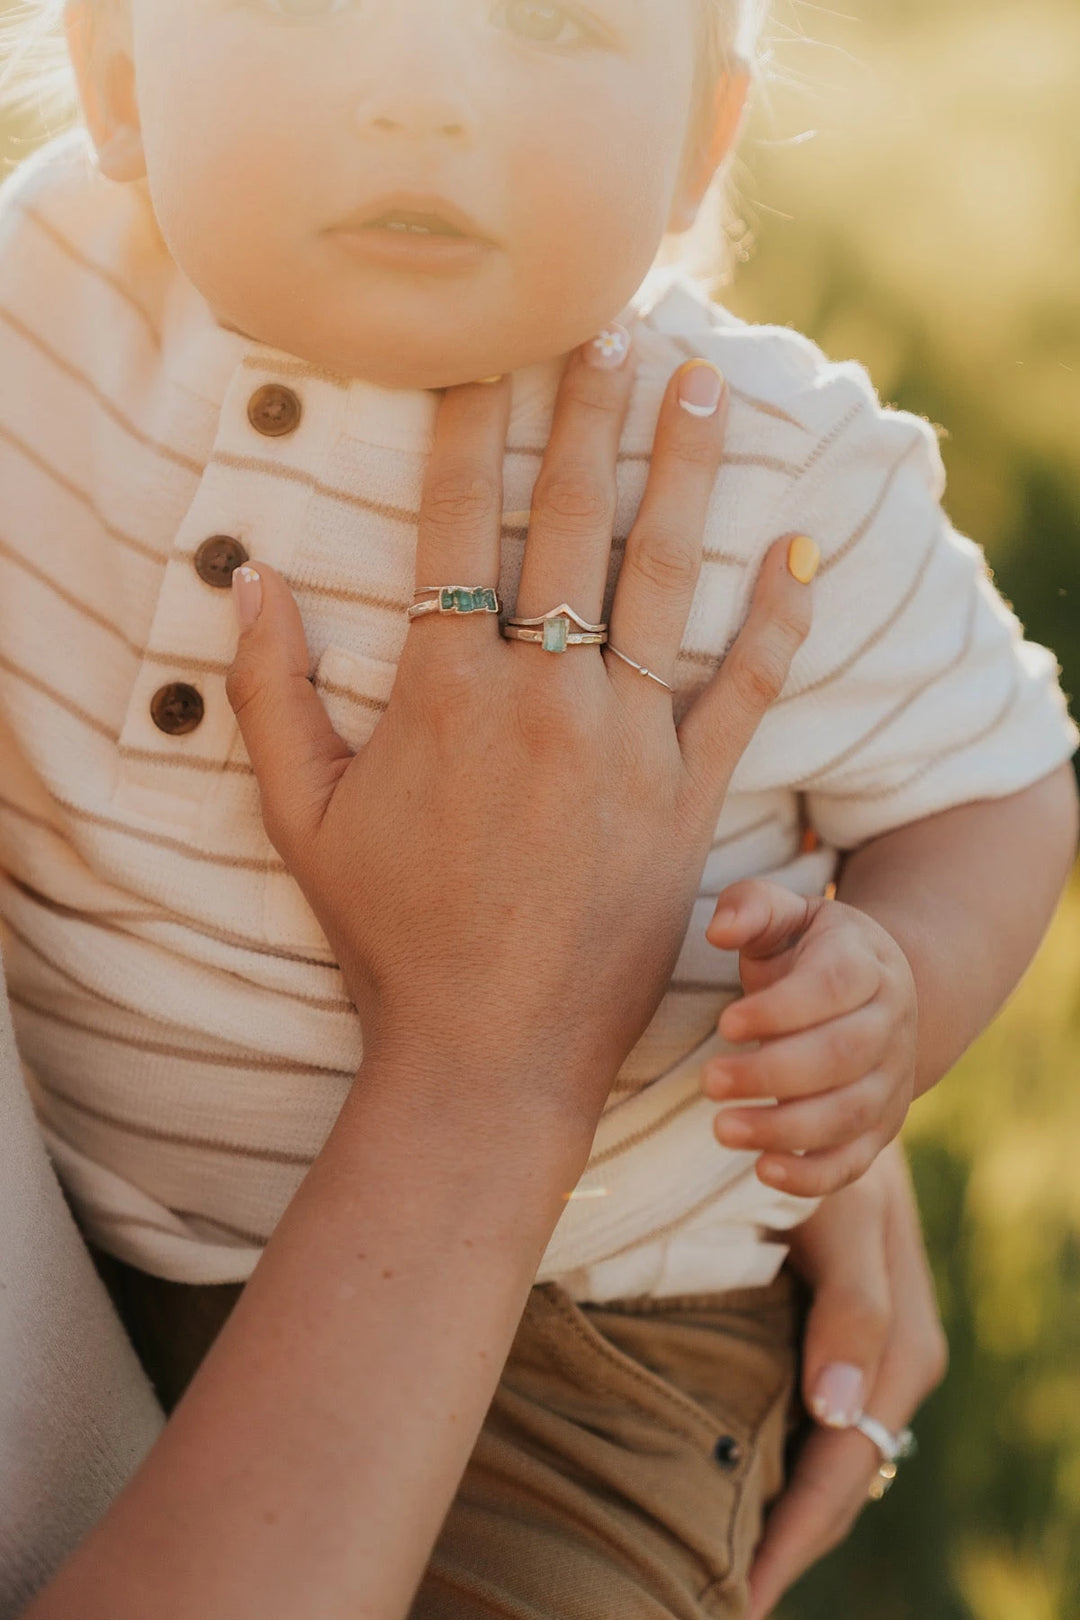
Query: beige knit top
{"type": "Point", "coordinates": [182, 1025]}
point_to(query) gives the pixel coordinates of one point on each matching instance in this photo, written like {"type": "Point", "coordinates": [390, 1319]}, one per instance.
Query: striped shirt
{"type": "Point", "coordinates": [183, 1027]}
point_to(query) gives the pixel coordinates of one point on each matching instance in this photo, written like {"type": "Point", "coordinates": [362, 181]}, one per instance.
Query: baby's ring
{"type": "Point", "coordinates": [640, 668]}
{"type": "Point", "coordinates": [455, 599]}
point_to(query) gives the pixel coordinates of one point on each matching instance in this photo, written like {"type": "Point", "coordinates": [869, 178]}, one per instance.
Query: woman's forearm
{"type": "Point", "coordinates": [968, 895]}
{"type": "Point", "coordinates": [309, 1467]}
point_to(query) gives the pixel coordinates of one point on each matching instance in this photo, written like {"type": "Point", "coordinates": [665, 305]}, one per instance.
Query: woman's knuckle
{"type": "Point", "coordinates": [244, 686]}
{"type": "Point", "coordinates": [759, 677]}
{"type": "Point", "coordinates": [460, 497]}
{"type": "Point", "coordinates": [576, 501]}
{"type": "Point", "coordinates": [663, 564]}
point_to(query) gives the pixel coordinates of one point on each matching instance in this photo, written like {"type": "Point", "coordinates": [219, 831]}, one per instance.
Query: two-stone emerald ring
{"type": "Point", "coordinates": [552, 630]}
{"type": "Point", "coordinates": [454, 599]}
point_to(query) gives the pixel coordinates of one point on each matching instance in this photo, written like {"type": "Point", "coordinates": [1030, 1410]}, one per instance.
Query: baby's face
{"type": "Point", "coordinates": [418, 192]}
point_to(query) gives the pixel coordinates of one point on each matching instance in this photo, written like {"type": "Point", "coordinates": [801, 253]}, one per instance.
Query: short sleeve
{"type": "Point", "coordinates": [916, 690]}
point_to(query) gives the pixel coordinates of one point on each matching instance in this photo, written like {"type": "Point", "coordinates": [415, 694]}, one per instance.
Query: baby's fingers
{"type": "Point", "coordinates": [814, 1175]}
{"type": "Point", "coordinates": [758, 918]}
{"type": "Point", "coordinates": [801, 1065]}
{"type": "Point", "coordinates": [834, 974]}
{"type": "Point", "coordinates": [812, 1124]}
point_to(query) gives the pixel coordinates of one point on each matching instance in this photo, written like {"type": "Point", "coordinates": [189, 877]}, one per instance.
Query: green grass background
{"type": "Point", "coordinates": [910, 196]}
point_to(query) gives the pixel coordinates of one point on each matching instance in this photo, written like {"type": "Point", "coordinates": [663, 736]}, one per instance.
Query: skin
{"type": "Point", "coordinates": [254, 135]}
{"type": "Point", "coordinates": [258, 132]}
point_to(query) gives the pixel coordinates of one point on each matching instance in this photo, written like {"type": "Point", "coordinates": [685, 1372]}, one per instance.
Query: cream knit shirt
{"type": "Point", "coordinates": [183, 1028]}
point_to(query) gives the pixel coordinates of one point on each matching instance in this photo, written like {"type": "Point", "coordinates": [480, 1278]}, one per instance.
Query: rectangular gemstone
{"type": "Point", "coordinates": [555, 633]}
{"type": "Point", "coordinates": [446, 601]}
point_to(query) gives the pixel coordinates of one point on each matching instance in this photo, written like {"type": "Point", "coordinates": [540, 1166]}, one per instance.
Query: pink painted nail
{"type": "Point", "coordinates": [701, 388]}
{"type": "Point", "coordinates": [838, 1395]}
{"type": "Point", "coordinates": [247, 595]}
{"type": "Point", "coordinates": [609, 349]}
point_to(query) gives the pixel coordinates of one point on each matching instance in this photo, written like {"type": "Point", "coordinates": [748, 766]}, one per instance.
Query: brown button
{"type": "Point", "coordinates": [217, 558]}
{"type": "Point", "coordinates": [274, 410]}
{"type": "Point", "coordinates": [177, 708]}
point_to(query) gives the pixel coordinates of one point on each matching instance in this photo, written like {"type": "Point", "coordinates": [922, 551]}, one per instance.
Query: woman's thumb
{"type": "Point", "coordinates": [297, 756]}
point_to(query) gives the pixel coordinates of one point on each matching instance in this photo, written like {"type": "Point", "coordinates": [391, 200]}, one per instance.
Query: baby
{"type": "Point", "coordinates": [220, 339]}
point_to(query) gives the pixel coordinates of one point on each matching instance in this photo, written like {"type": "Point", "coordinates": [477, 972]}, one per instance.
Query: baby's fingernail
{"type": "Point", "coordinates": [735, 1133]}
{"type": "Point", "coordinates": [247, 595]}
{"type": "Point", "coordinates": [608, 349]}
{"type": "Point", "coordinates": [838, 1395]}
{"type": "Point", "coordinates": [723, 917]}
{"type": "Point", "coordinates": [715, 1079]}
{"type": "Point", "coordinates": [803, 558]}
{"type": "Point", "coordinates": [701, 388]}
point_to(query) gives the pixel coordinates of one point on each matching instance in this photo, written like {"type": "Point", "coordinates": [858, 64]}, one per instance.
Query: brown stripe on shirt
{"type": "Point", "coordinates": [70, 488]}
{"type": "Point", "coordinates": [113, 411]}
{"type": "Point", "coordinates": [98, 271]}
{"type": "Point", "coordinates": [248, 1063]}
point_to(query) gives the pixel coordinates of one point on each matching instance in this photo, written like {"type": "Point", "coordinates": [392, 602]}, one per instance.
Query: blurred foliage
{"type": "Point", "coordinates": [911, 193]}
{"type": "Point", "coordinates": [911, 197]}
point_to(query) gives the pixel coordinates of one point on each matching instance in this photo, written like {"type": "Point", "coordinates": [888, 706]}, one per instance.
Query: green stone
{"type": "Point", "coordinates": [446, 601]}
{"type": "Point", "coordinates": [555, 634]}
{"type": "Point", "coordinates": [489, 601]}
{"type": "Point", "coordinates": [463, 601]}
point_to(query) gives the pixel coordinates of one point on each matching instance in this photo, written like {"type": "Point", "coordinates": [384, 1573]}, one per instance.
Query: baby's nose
{"type": "Point", "coordinates": [423, 108]}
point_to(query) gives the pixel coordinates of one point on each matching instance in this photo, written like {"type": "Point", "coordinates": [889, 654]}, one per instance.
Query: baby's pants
{"type": "Point", "coordinates": [624, 1467]}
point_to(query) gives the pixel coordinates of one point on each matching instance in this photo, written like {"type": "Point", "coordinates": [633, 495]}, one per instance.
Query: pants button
{"type": "Point", "coordinates": [728, 1451]}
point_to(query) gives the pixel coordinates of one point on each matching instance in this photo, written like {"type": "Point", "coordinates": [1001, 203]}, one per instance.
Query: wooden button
{"type": "Point", "coordinates": [218, 558]}
{"type": "Point", "coordinates": [274, 410]}
{"type": "Point", "coordinates": [177, 708]}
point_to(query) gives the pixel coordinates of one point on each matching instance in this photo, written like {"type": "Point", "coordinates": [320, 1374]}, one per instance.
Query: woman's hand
{"type": "Point", "coordinates": [517, 847]}
{"type": "Point", "coordinates": [831, 998]}
{"type": "Point", "coordinates": [874, 1343]}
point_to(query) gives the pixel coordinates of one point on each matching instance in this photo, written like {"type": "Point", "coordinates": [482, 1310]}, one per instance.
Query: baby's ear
{"type": "Point", "coordinates": [99, 44]}
{"type": "Point", "coordinates": [712, 140]}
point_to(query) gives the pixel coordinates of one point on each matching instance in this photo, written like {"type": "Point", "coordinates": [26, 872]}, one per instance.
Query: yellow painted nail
{"type": "Point", "coordinates": [803, 558]}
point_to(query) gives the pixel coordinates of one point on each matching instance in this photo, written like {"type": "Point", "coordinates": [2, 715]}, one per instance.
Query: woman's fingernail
{"type": "Point", "coordinates": [803, 558]}
{"type": "Point", "coordinates": [608, 349]}
{"type": "Point", "coordinates": [247, 595]}
{"type": "Point", "coordinates": [486, 382]}
{"type": "Point", "coordinates": [701, 388]}
{"type": "Point", "coordinates": [838, 1395]}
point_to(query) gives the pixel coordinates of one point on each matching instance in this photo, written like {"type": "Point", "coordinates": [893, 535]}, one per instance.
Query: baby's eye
{"type": "Point", "coordinates": [537, 19]}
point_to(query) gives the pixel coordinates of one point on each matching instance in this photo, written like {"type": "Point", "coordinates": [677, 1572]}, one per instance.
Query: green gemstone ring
{"type": "Point", "coordinates": [455, 599]}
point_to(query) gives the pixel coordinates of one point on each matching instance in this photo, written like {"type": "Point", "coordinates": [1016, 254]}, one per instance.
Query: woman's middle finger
{"type": "Point", "coordinates": [568, 550]}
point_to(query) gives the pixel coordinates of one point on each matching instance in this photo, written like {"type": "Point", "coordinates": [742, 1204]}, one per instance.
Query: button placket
{"type": "Point", "coordinates": [178, 707]}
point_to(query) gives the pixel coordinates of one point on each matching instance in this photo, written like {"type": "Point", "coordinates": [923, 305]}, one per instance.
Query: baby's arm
{"type": "Point", "coordinates": [863, 1003]}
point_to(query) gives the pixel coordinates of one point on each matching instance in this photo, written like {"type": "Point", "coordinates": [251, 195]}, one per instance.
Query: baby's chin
{"type": "Point", "coordinates": [392, 360]}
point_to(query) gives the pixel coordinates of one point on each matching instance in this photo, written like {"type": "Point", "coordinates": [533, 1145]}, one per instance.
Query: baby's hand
{"type": "Point", "coordinates": [831, 997]}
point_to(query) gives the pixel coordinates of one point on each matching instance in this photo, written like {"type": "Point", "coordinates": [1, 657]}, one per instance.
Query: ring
{"type": "Point", "coordinates": [555, 636]}
{"type": "Point", "coordinates": [648, 673]}
{"type": "Point", "coordinates": [894, 1448]}
{"type": "Point", "coordinates": [563, 611]}
{"type": "Point", "coordinates": [455, 599]}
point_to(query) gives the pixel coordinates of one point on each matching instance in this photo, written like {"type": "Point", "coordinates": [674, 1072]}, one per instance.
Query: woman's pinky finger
{"type": "Point", "coordinates": [717, 730]}
{"type": "Point", "coordinates": [812, 1175]}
